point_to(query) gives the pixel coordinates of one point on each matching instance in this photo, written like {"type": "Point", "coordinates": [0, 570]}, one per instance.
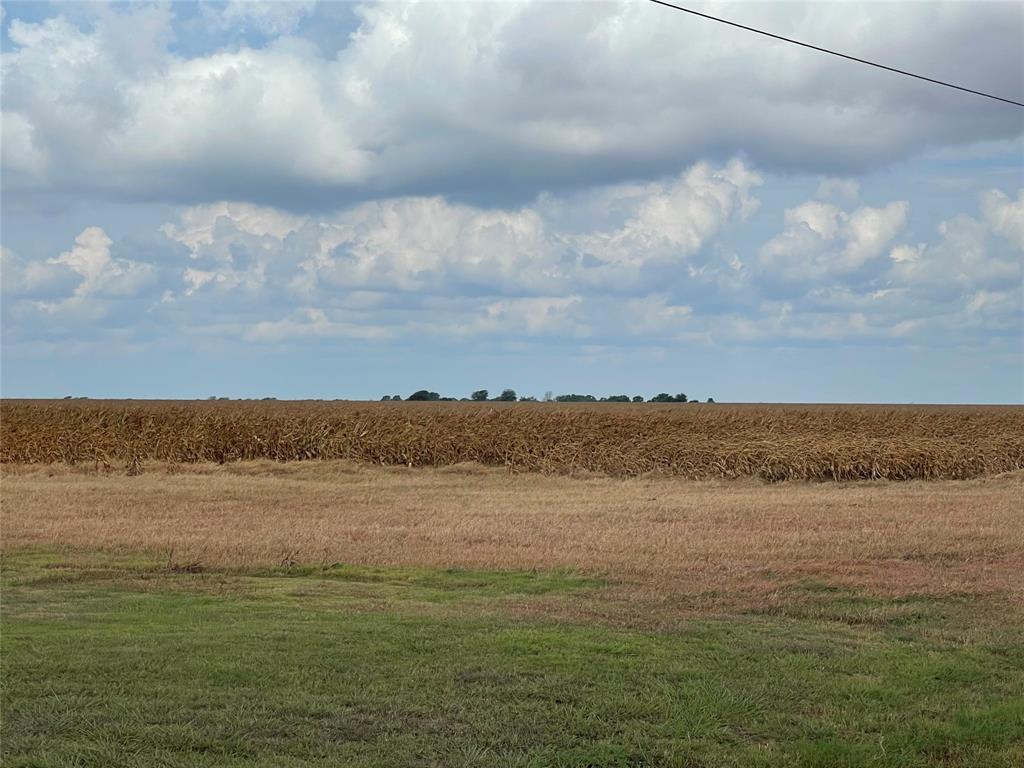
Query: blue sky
{"type": "Point", "coordinates": [348, 200]}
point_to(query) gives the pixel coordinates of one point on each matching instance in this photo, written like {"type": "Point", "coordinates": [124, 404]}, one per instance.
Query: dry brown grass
{"type": "Point", "coordinates": [665, 539]}
{"type": "Point", "coordinates": [693, 441]}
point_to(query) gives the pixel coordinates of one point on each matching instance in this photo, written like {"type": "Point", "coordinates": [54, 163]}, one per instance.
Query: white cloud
{"type": "Point", "coordinates": [675, 220]}
{"type": "Point", "coordinates": [18, 147]}
{"type": "Point", "coordinates": [821, 218]}
{"type": "Point", "coordinates": [430, 244]}
{"type": "Point", "coordinates": [310, 322]}
{"type": "Point", "coordinates": [446, 98]}
{"type": "Point", "coordinates": [517, 272]}
{"type": "Point", "coordinates": [869, 230]}
{"type": "Point", "coordinates": [74, 290]}
{"type": "Point", "coordinates": [411, 267]}
{"type": "Point", "coordinates": [90, 258]}
{"type": "Point", "coordinates": [964, 259]}
{"type": "Point", "coordinates": [421, 243]}
{"type": "Point", "coordinates": [270, 17]}
{"type": "Point", "coordinates": [907, 253]}
{"type": "Point", "coordinates": [197, 225]}
{"type": "Point", "coordinates": [1005, 215]}
{"type": "Point", "coordinates": [34, 279]}
{"type": "Point", "coordinates": [536, 315]}
{"type": "Point", "coordinates": [821, 241]}
{"type": "Point", "coordinates": [656, 314]}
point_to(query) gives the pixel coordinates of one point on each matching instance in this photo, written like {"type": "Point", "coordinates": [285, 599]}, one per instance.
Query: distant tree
{"type": "Point", "coordinates": [680, 398]}
{"type": "Point", "coordinates": [480, 394]}
{"type": "Point", "coordinates": [711, 399]}
{"type": "Point", "coordinates": [616, 399]}
{"type": "Point", "coordinates": [507, 396]}
{"type": "Point", "coordinates": [396, 397]}
{"type": "Point", "coordinates": [448, 399]}
{"type": "Point", "coordinates": [386, 398]}
{"type": "Point", "coordinates": [638, 398]}
{"type": "Point", "coordinates": [574, 398]}
{"type": "Point", "coordinates": [527, 399]}
{"type": "Point", "coordinates": [549, 396]}
{"type": "Point", "coordinates": [423, 394]}
{"type": "Point", "coordinates": [663, 397]}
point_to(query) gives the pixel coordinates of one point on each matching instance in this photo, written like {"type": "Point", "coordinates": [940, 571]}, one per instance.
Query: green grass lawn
{"type": "Point", "coordinates": [111, 661]}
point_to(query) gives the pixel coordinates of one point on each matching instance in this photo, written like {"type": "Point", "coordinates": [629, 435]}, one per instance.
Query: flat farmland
{"type": "Point", "coordinates": [699, 441]}
{"type": "Point", "coordinates": [264, 583]}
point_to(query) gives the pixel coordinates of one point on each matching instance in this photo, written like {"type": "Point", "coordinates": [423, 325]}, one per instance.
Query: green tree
{"type": "Point", "coordinates": [638, 398]}
{"type": "Point", "coordinates": [663, 397]}
{"type": "Point", "coordinates": [507, 396]}
{"type": "Point", "coordinates": [423, 394]}
{"type": "Point", "coordinates": [480, 394]}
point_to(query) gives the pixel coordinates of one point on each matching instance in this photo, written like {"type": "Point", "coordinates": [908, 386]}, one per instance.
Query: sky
{"type": "Point", "coordinates": [333, 200]}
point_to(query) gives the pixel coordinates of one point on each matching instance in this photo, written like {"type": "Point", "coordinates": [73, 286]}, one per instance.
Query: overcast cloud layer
{"type": "Point", "coordinates": [612, 180]}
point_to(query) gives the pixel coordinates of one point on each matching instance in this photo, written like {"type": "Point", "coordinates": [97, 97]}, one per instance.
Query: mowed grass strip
{"type": "Point", "coordinates": [120, 661]}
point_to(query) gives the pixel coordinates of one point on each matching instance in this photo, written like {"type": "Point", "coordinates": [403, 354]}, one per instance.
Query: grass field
{"type": "Point", "coordinates": [299, 584]}
{"type": "Point", "coordinates": [116, 661]}
{"type": "Point", "coordinates": [335, 613]}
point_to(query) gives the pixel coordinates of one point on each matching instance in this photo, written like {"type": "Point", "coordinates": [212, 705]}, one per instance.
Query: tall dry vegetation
{"type": "Point", "coordinates": [772, 442]}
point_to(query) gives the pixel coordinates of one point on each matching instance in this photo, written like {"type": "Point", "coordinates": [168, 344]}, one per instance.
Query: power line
{"type": "Point", "coordinates": [836, 53]}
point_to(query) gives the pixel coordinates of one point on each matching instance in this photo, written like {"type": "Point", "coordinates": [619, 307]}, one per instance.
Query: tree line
{"type": "Point", "coordinates": [510, 396]}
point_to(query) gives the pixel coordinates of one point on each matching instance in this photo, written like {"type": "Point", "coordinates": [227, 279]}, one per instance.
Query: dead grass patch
{"type": "Point", "coordinates": [705, 544]}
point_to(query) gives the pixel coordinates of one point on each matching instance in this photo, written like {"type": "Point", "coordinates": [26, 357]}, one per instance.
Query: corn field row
{"type": "Point", "coordinates": [706, 441]}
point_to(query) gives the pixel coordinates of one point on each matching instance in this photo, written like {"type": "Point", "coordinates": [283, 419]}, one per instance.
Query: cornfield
{"type": "Point", "coordinates": [774, 442]}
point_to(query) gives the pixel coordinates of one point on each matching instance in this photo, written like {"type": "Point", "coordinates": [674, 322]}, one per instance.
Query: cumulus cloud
{"type": "Point", "coordinates": [1005, 215]}
{"type": "Point", "coordinates": [430, 244]}
{"type": "Point", "coordinates": [81, 286]}
{"type": "Point", "coordinates": [678, 218]}
{"type": "Point", "coordinates": [651, 268]}
{"type": "Point", "coordinates": [269, 17]}
{"type": "Point", "coordinates": [310, 322]}
{"type": "Point", "coordinates": [429, 266]}
{"type": "Point", "coordinates": [19, 151]}
{"type": "Point", "coordinates": [197, 225]}
{"type": "Point", "coordinates": [102, 275]}
{"type": "Point", "coordinates": [657, 314]}
{"type": "Point", "coordinates": [820, 240]}
{"type": "Point", "coordinates": [532, 316]}
{"type": "Point", "coordinates": [965, 258]}
{"type": "Point", "coordinates": [35, 279]}
{"type": "Point", "coordinates": [486, 102]}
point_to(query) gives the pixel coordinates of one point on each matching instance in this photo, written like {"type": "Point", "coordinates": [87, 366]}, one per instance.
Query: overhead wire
{"type": "Point", "coordinates": [836, 53]}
